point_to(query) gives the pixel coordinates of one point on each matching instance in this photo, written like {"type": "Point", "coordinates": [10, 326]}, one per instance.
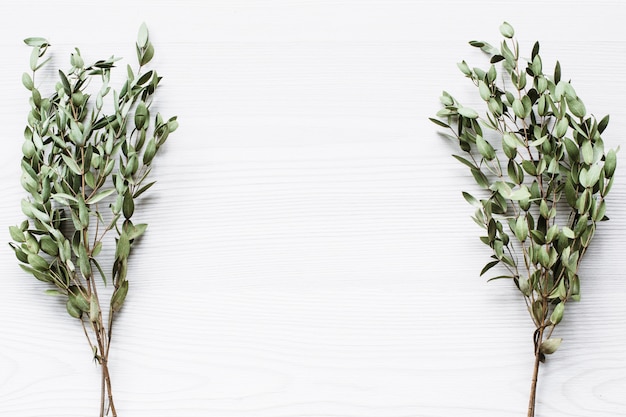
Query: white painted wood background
{"type": "Point", "coordinates": [309, 252]}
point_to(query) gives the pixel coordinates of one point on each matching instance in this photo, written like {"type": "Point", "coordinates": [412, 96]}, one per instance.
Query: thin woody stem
{"type": "Point", "coordinates": [533, 385]}
{"type": "Point", "coordinates": [538, 339]}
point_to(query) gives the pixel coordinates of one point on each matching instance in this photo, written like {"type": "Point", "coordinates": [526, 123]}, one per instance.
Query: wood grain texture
{"type": "Point", "coordinates": [309, 253]}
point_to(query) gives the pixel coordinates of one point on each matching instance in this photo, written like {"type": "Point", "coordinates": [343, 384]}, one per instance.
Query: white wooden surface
{"type": "Point", "coordinates": [309, 252]}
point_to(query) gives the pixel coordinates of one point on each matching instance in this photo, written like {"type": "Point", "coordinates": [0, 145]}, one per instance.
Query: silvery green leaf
{"type": "Point", "coordinates": [145, 78]}
{"type": "Point", "coordinates": [128, 206]}
{"type": "Point", "coordinates": [72, 165]}
{"type": "Point", "coordinates": [489, 266]}
{"type": "Point", "coordinates": [518, 108]}
{"type": "Point", "coordinates": [64, 198]}
{"type": "Point", "coordinates": [17, 234]}
{"type": "Point", "coordinates": [539, 141]}
{"type": "Point", "coordinates": [572, 150]}
{"type": "Point", "coordinates": [40, 215]}
{"type": "Point", "coordinates": [83, 262]}
{"type": "Point", "coordinates": [593, 175]}
{"type": "Point", "coordinates": [48, 245]}
{"type": "Point", "coordinates": [485, 148]}
{"type": "Point", "coordinates": [587, 152]}
{"type": "Point", "coordinates": [552, 233]}
{"type": "Point", "coordinates": [117, 300]}
{"type": "Point", "coordinates": [467, 112]}
{"type": "Point", "coordinates": [83, 213]}
{"type": "Point", "coordinates": [147, 55]}
{"type": "Point", "coordinates": [465, 162]}
{"type": "Point", "coordinates": [439, 122]}
{"type": "Point", "coordinates": [610, 162]}
{"type": "Point", "coordinates": [34, 57]}
{"type": "Point", "coordinates": [507, 30]}
{"type": "Point", "coordinates": [521, 228]}
{"type": "Point", "coordinates": [600, 211]}
{"type": "Point", "coordinates": [90, 180]}
{"type": "Point", "coordinates": [471, 199]}
{"type": "Point", "coordinates": [66, 83]}
{"type": "Point", "coordinates": [141, 115]}
{"type": "Point", "coordinates": [73, 310]}
{"type": "Point", "coordinates": [137, 230]}
{"type": "Point", "coordinates": [79, 301]}
{"type": "Point", "coordinates": [550, 346]}
{"type": "Point", "coordinates": [142, 36]}
{"type": "Point", "coordinates": [100, 270]}
{"type": "Point", "coordinates": [503, 188]}
{"type": "Point", "coordinates": [27, 81]}
{"type": "Point", "coordinates": [603, 124]}
{"type": "Point", "coordinates": [36, 42]}
{"type": "Point", "coordinates": [97, 248]}
{"type": "Point", "coordinates": [529, 167]}
{"type": "Point", "coordinates": [569, 233]}
{"type": "Point", "coordinates": [577, 107]}
{"type": "Point", "coordinates": [480, 178]}
{"type": "Point", "coordinates": [122, 248]}
{"type": "Point", "coordinates": [465, 69]}
{"type": "Point", "coordinates": [172, 124]}
{"type": "Point", "coordinates": [557, 313]}
{"type": "Point", "coordinates": [100, 195]}
{"type": "Point", "coordinates": [521, 193]}
{"type": "Point", "coordinates": [37, 262]}
{"type": "Point", "coordinates": [94, 310]}
{"type": "Point", "coordinates": [484, 91]}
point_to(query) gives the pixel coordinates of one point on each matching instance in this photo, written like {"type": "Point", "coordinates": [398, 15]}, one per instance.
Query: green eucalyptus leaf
{"type": "Point", "coordinates": [67, 88]}
{"type": "Point", "coordinates": [72, 164]}
{"type": "Point", "coordinates": [94, 310]}
{"type": "Point", "coordinates": [489, 266]}
{"type": "Point", "coordinates": [485, 148]}
{"type": "Point", "coordinates": [610, 162]}
{"type": "Point", "coordinates": [128, 206]}
{"type": "Point", "coordinates": [603, 124]}
{"type": "Point", "coordinates": [73, 310]}
{"type": "Point", "coordinates": [521, 193]}
{"type": "Point", "coordinates": [550, 346]}
{"type": "Point", "coordinates": [142, 36]}
{"type": "Point", "coordinates": [468, 112]}
{"type": "Point", "coordinates": [507, 30]}
{"type": "Point", "coordinates": [147, 55]}
{"type": "Point", "coordinates": [577, 107]}
{"type": "Point", "coordinates": [122, 248]}
{"type": "Point", "coordinates": [49, 246]}
{"type": "Point", "coordinates": [27, 81]}
{"type": "Point", "coordinates": [37, 262]}
{"type": "Point", "coordinates": [100, 195]}
{"type": "Point", "coordinates": [17, 234]}
{"type": "Point", "coordinates": [569, 233]}
{"type": "Point", "coordinates": [119, 296]}
{"type": "Point", "coordinates": [36, 42]}
{"type": "Point", "coordinates": [83, 261]}
{"type": "Point", "coordinates": [465, 69]}
{"type": "Point", "coordinates": [137, 230]}
{"type": "Point", "coordinates": [480, 178]}
{"type": "Point", "coordinates": [587, 152]}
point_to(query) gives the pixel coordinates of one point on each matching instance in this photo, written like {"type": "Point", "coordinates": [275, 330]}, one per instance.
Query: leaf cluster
{"type": "Point", "coordinates": [545, 173]}
{"type": "Point", "coordinates": [87, 155]}
{"type": "Point", "coordinates": [76, 157]}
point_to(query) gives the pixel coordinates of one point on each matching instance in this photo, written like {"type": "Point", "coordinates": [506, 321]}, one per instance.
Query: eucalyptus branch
{"type": "Point", "coordinates": [75, 159]}
{"type": "Point", "coordinates": [550, 201]}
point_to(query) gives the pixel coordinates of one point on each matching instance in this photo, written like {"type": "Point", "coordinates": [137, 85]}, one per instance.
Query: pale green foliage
{"type": "Point", "coordinates": [542, 164]}
{"type": "Point", "coordinates": [83, 167]}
